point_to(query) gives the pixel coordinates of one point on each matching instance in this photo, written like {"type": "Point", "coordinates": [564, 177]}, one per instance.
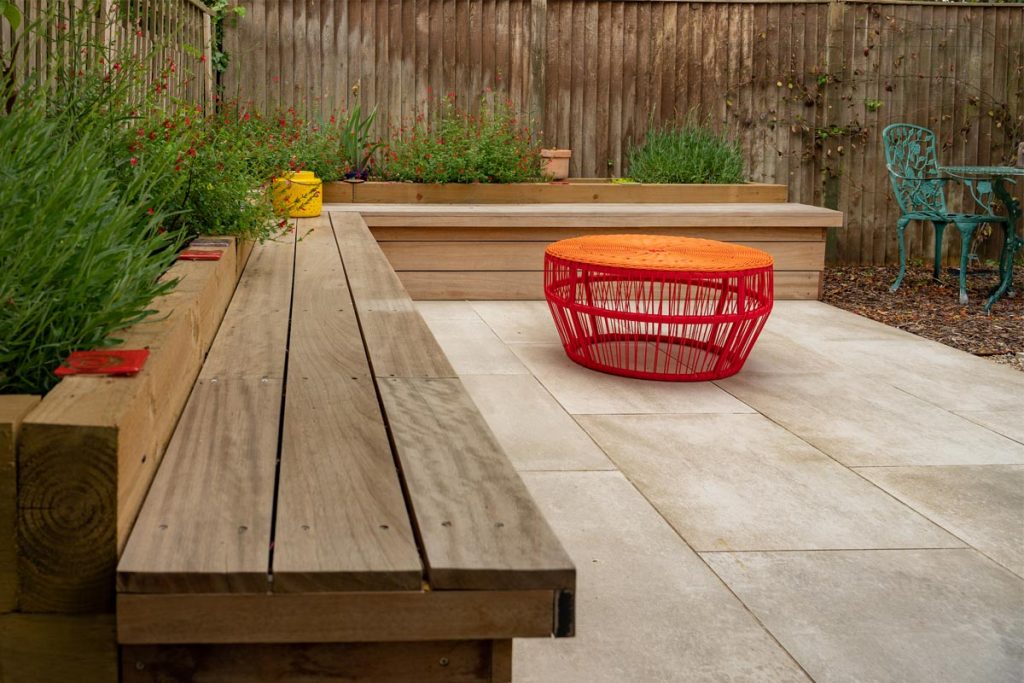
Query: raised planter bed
{"type": "Point", "coordinates": [577, 191]}
{"type": "Point", "coordinates": [74, 468]}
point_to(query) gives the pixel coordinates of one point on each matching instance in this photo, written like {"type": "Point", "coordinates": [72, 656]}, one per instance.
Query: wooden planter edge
{"type": "Point", "coordinates": [576, 191]}
{"type": "Point", "coordinates": [88, 450]}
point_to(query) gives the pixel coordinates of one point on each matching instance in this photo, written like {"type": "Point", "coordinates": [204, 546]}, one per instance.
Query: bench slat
{"type": "Point", "coordinates": [341, 523]}
{"type": "Point", "coordinates": [206, 522]}
{"type": "Point", "coordinates": [390, 323]}
{"type": "Point", "coordinates": [479, 526]}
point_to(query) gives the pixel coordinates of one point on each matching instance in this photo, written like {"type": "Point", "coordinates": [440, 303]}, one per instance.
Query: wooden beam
{"type": "Point", "coordinates": [529, 285]}
{"type": "Point", "coordinates": [351, 617]}
{"type": "Point", "coordinates": [599, 216]}
{"type": "Point", "coordinates": [464, 256]}
{"type": "Point", "coordinates": [42, 648]}
{"type": "Point", "coordinates": [581, 191]}
{"type": "Point", "coordinates": [13, 410]}
{"type": "Point", "coordinates": [89, 451]}
{"type": "Point", "coordinates": [436, 662]}
{"type": "Point", "coordinates": [528, 233]}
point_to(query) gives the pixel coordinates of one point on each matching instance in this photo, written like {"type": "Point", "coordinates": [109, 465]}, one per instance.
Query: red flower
{"type": "Point", "coordinates": [191, 151]}
{"type": "Point", "coordinates": [133, 161]}
{"type": "Point", "coordinates": [150, 211]}
{"type": "Point", "coordinates": [246, 117]}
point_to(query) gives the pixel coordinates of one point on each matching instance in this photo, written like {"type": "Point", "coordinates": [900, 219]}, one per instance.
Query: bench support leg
{"type": "Point", "coordinates": [501, 661]}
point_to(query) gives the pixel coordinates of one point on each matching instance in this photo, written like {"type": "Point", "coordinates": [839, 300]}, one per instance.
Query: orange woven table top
{"type": "Point", "coordinates": [658, 252]}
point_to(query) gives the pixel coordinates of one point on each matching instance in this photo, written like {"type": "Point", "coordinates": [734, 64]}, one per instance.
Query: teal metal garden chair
{"type": "Point", "coordinates": [920, 188]}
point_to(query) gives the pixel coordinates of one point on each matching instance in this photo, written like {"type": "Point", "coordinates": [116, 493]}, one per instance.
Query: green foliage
{"type": "Point", "coordinates": [10, 12]}
{"type": "Point", "coordinates": [685, 152]}
{"type": "Point", "coordinates": [355, 145]}
{"type": "Point", "coordinates": [80, 251]}
{"type": "Point", "coordinates": [225, 13]}
{"type": "Point", "coordinates": [101, 182]}
{"type": "Point", "coordinates": [494, 146]}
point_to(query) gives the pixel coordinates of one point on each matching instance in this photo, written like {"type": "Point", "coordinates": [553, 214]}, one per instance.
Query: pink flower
{"type": "Point", "coordinates": [133, 161]}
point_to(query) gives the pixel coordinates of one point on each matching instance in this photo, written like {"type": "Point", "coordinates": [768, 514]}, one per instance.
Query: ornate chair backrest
{"type": "Point", "coordinates": [912, 161]}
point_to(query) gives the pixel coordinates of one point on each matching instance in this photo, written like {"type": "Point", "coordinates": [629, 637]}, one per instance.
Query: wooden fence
{"type": "Point", "coordinates": [174, 39]}
{"type": "Point", "coordinates": [805, 86]}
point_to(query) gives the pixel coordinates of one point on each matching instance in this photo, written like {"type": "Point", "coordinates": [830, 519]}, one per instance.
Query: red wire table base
{"type": "Point", "coordinates": [657, 324]}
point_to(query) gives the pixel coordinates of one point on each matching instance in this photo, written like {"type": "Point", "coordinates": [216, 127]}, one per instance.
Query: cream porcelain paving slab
{"type": "Point", "coordinates": [1009, 423]}
{"type": "Point", "coordinates": [473, 349]}
{"type": "Point", "coordinates": [811, 321]}
{"type": "Point", "coordinates": [536, 433]}
{"type": "Point", "coordinates": [886, 615]}
{"type": "Point", "coordinates": [446, 310]}
{"type": "Point", "coordinates": [775, 353]}
{"type": "Point", "coordinates": [950, 378]}
{"type": "Point", "coordinates": [648, 610]}
{"type": "Point", "coordinates": [982, 505]}
{"type": "Point", "coordinates": [741, 482]}
{"type": "Point", "coordinates": [519, 321]}
{"type": "Point", "coordinates": [584, 391]}
{"type": "Point", "coordinates": [860, 421]}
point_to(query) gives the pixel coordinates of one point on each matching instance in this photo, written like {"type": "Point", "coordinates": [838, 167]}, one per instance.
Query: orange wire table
{"type": "Point", "coordinates": [655, 307]}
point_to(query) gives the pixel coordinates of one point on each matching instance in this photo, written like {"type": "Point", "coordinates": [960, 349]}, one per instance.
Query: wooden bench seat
{"type": "Point", "coordinates": [495, 251]}
{"type": "Point", "coordinates": [332, 493]}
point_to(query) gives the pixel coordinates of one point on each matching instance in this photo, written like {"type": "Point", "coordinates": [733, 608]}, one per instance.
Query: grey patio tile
{"type": "Point", "coordinates": [536, 433]}
{"type": "Point", "coordinates": [445, 310]}
{"type": "Point", "coordinates": [584, 391]}
{"type": "Point", "coordinates": [519, 321]}
{"type": "Point", "coordinates": [886, 615]}
{"type": "Point", "coordinates": [863, 421]}
{"type": "Point", "coordinates": [1009, 423]}
{"type": "Point", "coordinates": [473, 349]}
{"type": "Point", "coordinates": [647, 608]}
{"type": "Point", "coordinates": [741, 482]}
{"type": "Point", "coordinates": [982, 505]}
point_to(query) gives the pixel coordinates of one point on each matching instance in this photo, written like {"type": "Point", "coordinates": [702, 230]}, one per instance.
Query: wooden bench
{"type": "Point", "coordinates": [496, 251]}
{"type": "Point", "coordinates": [331, 502]}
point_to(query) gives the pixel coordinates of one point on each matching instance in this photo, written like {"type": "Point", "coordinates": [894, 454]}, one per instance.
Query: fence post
{"type": "Point", "coordinates": [831, 161]}
{"type": "Point", "coordinates": [208, 61]}
{"type": "Point", "coordinates": [538, 50]}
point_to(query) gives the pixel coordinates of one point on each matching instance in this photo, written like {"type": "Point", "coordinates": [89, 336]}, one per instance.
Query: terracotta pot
{"type": "Point", "coordinates": [556, 162]}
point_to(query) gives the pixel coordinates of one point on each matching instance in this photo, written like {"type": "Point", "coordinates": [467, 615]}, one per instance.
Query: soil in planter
{"type": "Point", "coordinates": [932, 310]}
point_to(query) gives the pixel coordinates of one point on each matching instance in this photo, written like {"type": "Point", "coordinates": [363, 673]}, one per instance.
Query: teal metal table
{"type": "Point", "coordinates": [983, 182]}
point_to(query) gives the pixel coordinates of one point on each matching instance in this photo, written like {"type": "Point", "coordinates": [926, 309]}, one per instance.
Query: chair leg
{"type": "Point", "coordinates": [901, 228]}
{"type": "Point", "coordinates": [966, 234]}
{"type": "Point", "coordinates": [940, 229]}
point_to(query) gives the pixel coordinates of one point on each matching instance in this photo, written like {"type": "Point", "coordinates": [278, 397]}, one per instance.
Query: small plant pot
{"type": "Point", "coordinates": [556, 163]}
{"type": "Point", "coordinates": [300, 194]}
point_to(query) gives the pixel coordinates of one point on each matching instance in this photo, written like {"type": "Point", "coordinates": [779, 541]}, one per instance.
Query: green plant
{"type": "Point", "coordinates": [493, 146]}
{"type": "Point", "coordinates": [81, 251]}
{"type": "Point", "coordinates": [685, 151]}
{"type": "Point", "coordinates": [355, 145]}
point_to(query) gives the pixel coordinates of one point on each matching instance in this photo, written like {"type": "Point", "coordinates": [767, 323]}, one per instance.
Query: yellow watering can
{"type": "Point", "coordinates": [300, 194]}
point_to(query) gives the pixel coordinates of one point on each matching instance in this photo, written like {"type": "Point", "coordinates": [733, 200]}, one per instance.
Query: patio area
{"type": "Point", "coordinates": [849, 507]}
